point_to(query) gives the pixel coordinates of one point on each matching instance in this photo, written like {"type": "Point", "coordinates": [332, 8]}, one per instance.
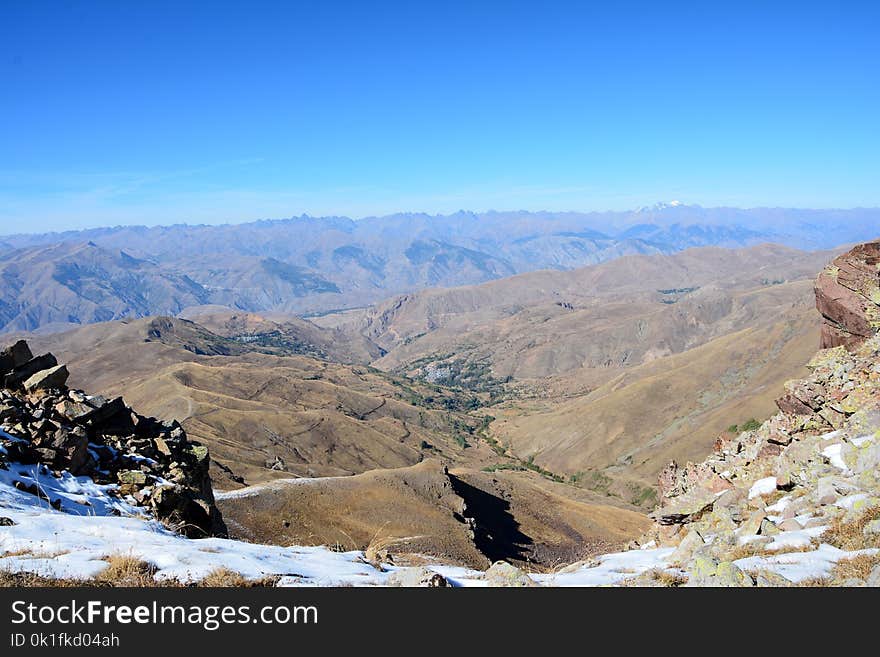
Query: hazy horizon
{"type": "Point", "coordinates": [439, 215]}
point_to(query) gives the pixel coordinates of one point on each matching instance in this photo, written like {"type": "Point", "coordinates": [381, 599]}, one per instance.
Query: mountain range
{"type": "Point", "coordinates": [308, 265]}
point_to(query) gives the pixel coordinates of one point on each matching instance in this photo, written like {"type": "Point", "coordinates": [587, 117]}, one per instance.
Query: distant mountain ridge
{"type": "Point", "coordinates": [312, 265]}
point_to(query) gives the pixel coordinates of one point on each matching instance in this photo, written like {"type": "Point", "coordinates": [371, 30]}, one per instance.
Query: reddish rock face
{"type": "Point", "coordinates": [848, 296]}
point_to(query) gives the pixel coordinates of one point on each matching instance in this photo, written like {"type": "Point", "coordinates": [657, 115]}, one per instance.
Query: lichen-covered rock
{"type": "Point", "coordinates": [708, 572]}
{"type": "Point", "coordinates": [874, 577]}
{"type": "Point", "coordinates": [503, 574]}
{"type": "Point", "coordinates": [688, 547]}
{"type": "Point", "coordinates": [767, 578]}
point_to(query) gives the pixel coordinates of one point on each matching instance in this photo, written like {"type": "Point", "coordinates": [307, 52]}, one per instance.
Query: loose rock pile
{"type": "Point", "coordinates": [153, 462]}
{"type": "Point", "coordinates": [809, 475]}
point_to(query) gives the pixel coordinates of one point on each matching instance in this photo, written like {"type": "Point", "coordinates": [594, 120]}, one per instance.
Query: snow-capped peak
{"type": "Point", "coordinates": [662, 205]}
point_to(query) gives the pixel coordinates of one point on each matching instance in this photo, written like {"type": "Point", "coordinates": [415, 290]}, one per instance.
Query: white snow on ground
{"type": "Point", "coordinates": [763, 486]}
{"type": "Point", "coordinates": [93, 524]}
{"type": "Point", "coordinates": [278, 484]}
{"type": "Point", "coordinates": [781, 505]}
{"type": "Point", "coordinates": [797, 539]}
{"type": "Point", "coordinates": [610, 568]}
{"type": "Point", "coordinates": [849, 501]}
{"type": "Point", "coordinates": [6, 436]}
{"type": "Point", "coordinates": [78, 495]}
{"type": "Point", "coordinates": [833, 454]}
{"type": "Point", "coordinates": [56, 544]}
{"type": "Point", "coordinates": [798, 566]}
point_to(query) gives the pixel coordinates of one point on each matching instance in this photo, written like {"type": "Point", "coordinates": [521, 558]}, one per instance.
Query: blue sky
{"type": "Point", "coordinates": [162, 112]}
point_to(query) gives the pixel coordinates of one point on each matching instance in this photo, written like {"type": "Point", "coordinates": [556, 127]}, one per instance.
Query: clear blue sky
{"type": "Point", "coordinates": [159, 112]}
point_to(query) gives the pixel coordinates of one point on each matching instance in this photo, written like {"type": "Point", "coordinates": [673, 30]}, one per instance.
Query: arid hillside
{"type": "Point", "coordinates": [315, 452]}
{"type": "Point", "coordinates": [617, 436]}
{"type": "Point", "coordinates": [603, 374]}
{"type": "Point", "coordinates": [266, 416]}
{"type": "Point", "coordinates": [469, 517]}
{"type": "Point", "coordinates": [617, 314]}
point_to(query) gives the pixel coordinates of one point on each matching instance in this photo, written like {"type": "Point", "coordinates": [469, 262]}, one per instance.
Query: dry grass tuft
{"type": "Point", "coordinates": [31, 580]}
{"type": "Point", "coordinates": [814, 582]}
{"type": "Point", "coordinates": [849, 535]}
{"type": "Point", "coordinates": [658, 576]}
{"type": "Point", "coordinates": [670, 579]}
{"type": "Point", "coordinates": [744, 551]}
{"type": "Point", "coordinates": [758, 549]}
{"type": "Point", "coordinates": [378, 551]}
{"type": "Point", "coordinates": [858, 567]}
{"type": "Point", "coordinates": [225, 578]}
{"type": "Point", "coordinates": [126, 570]}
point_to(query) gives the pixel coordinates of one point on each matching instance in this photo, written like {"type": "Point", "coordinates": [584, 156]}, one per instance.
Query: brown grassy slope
{"type": "Point", "coordinates": [619, 313]}
{"type": "Point", "coordinates": [319, 418]}
{"type": "Point", "coordinates": [274, 329]}
{"type": "Point", "coordinates": [637, 420]}
{"type": "Point", "coordinates": [549, 340]}
{"type": "Point", "coordinates": [422, 509]}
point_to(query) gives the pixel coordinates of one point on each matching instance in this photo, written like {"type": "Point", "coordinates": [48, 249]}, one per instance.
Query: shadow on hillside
{"type": "Point", "coordinates": [496, 533]}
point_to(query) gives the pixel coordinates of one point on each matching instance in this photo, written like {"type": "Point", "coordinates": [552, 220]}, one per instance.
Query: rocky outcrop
{"type": "Point", "coordinates": [152, 463]}
{"type": "Point", "coordinates": [848, 296]}
{"type": "Point", "coordinates": [808, 479]}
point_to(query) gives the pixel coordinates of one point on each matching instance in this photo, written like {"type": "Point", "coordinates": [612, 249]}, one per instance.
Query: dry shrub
{"type": "Point", "coordinates": [378, 552]}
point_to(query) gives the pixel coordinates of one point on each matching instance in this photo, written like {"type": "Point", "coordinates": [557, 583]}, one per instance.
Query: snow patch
{"type": "Point", "coordinates": [762, 487]}
{"type": "Point", "coordinates": [850, 500]}
{"type": "Point", "coordinates": [799, 566]}
{"type": "Point", "coordinates": [781, 505]}
{"type": "Point", "coordinates": [610, 569]}
{"type": "Point", "coordinates": [833, 454]}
